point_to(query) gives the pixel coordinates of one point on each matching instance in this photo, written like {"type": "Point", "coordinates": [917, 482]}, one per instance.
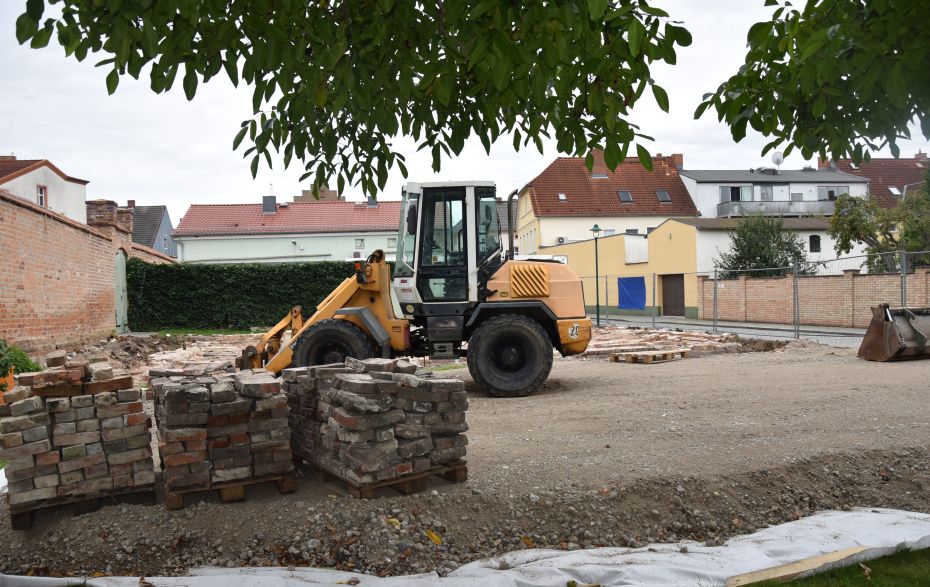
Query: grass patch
{"type": "Point", "coordinates": [902, 569]}
{"type": "Point", "coordinates": [446, 367]}
{"type": "Point", "coordinates": [201, 331]}
{"type": "Point", "coordinates": [2, 464]}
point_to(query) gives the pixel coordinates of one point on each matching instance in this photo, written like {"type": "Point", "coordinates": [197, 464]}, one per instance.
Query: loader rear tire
{"type": "Point", "coordinates": [510, 355]}
{"type": "Point", "coordinates": [331, 341]}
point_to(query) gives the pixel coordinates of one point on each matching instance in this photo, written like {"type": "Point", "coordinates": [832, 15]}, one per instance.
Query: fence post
{"type": "Point", "coordinates": [715, 300]}
{"type": "Point", "coordinates": [655, 308]}
{"type": "Point", "coordinates": [903, 257]}
{"type": "Point", "coordinates": [797, 302]}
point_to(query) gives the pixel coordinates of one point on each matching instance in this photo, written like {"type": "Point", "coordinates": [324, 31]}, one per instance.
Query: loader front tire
{"type": "Point", "coordinates": [510, 355]}
{"type": "Point", "coordinates": [331, 341]}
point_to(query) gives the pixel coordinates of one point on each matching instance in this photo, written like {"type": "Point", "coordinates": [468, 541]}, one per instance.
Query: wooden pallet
{"type": "Point", "coordinates": [650, 356]}
{"type": "Point", "coordinates": [408, 484]}
{"type": "Point", "coordinates": [22, 514]}
{"type": "Point", "coordinates": [229, 491]}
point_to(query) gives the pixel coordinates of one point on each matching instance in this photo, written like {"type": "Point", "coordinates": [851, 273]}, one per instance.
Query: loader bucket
{"type": "Point", "coordinates": [897, 334]}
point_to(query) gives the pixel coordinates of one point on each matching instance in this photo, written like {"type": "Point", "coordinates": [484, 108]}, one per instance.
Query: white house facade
{"type": "Point", "coordinates": [787, 193]}
{"type": "Point", "coordinates": [287, 232]}
{"type": "Point", "coordinates": [42, 183]}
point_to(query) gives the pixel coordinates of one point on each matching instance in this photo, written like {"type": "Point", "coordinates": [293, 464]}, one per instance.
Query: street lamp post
{"type": "Point", "coordinates": [596, 231]}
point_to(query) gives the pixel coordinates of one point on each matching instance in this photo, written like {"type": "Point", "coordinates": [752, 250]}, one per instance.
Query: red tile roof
{"type": "Point", "coordinates": [592, 196]}
{"type": "Point", "coordinates": [11, 168]}
{"type": "Point", "coordinates": [294, 218]}
{"type": "Point", "coordinates": [884, 173]}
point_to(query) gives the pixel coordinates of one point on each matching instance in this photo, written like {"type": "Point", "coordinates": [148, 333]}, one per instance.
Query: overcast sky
{"type": "Point", "coordinates": [162, 149]}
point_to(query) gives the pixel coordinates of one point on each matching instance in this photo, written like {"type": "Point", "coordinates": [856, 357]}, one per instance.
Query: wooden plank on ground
{"type": "Point", "coordinates": [789, 571]}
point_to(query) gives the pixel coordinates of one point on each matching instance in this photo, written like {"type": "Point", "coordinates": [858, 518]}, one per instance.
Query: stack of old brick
{"type": "Point", "coordinates": [374, 420]}
{"type": "Point", "coordinates": [221, 428]}
{"type": "Point", "coordinates": [75, 429]}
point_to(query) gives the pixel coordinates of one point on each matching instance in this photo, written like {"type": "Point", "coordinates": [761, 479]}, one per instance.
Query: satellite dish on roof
{"type": "Point", "coordinates": [778, 157]}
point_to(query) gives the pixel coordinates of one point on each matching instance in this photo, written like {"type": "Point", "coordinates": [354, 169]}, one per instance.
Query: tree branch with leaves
{"type": "Point", "coordinates": [336, 81]}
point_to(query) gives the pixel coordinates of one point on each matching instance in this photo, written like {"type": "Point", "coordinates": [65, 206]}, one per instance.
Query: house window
{"type": "Point", "coordinates": [625, 196]}
{"type": "Point", "coordinates": [767, 193]}
{"type": "Point", "coordinates": [831, 192]}
{"type": "Point", "coordinates": [797, 197]}
{"type": "Point", "coordinates": [561, 197]}
{"type": "Point", "coordinates": [359, 243]}
{"type": "Point", "coordinates": [392, 242]}
{"type": "Point", "coordinates": [42, 196]}
{"type": "Point", "coordinates": [609, 232]}
{"type": "Point", "coordinates": [814, 243]}
{"type": "Point", "coordinates": [598, 176]}
{"type": "Point", "coordinates": [632, 231]}
{"type": "Point", "coordinates": [663, 196]}
{"type": "Point", "coordinates": [894, 190]}
{"type": "Point", "coordinates": [735, 193]}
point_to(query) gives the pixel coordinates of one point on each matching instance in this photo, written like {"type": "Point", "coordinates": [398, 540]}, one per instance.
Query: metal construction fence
{"type": "Point", "coordinates": [828, 301]}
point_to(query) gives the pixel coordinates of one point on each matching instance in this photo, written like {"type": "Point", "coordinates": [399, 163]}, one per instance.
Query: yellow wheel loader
{"type": "Point", "coordinates": [454, 292]}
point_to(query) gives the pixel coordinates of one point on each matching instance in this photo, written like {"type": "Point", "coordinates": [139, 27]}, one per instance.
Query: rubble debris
{"type": "Point", "coordinates": [220, 427]}
{"type": "Point", "coordinates": [609, 340]}
{"type": "Point", "coordinates": [373, 420]}
{"type": "Point", "coordinates": [78, 428]}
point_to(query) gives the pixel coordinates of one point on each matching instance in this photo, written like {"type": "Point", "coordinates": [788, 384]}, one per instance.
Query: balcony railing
{"type": "Point", "coordinates": [776, 208]}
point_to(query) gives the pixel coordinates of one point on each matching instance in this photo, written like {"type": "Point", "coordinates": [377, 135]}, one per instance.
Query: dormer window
{"type": "Point", "coordinates": [894, 190]}
{"type": "Point", "coordinates": [625, 196]}
{"type": "Point", "coordinates": [42, 196]}
{"type": "Point", "coordinates": [562, 197]}
{"type": "Point", "coordinates": [663, 196]}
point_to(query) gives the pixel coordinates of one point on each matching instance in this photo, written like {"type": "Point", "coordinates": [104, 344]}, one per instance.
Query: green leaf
{"type": "Point", "coordinates": [35, 8]}
{"type": "Point", "coordinates": [232, 69]}
{"type": "Point", "coordinates": [661, 97]}
{"type": "Point", "coordinates": [112, 81]}
{"type": "Point", "coordinates": [644, 157]}
{"type": "Point", "coordinates": [254, 166]}
{"type": "Point", "coordinates": [190, 81]}
{"type": "Point", "coordinates": [239, 136]}
{"type": "Point", "coordinates": [41, 38]}
{"type": "Point", "coordinates": [635, 35]}
{"type": "Point", "coordinates": [596, 9]}
{"type": "Point", "coordinates": [25, 27]}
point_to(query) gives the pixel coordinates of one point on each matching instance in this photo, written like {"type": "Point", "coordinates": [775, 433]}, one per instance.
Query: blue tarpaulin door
{"type": "Point", "coordinates": [632, 293]}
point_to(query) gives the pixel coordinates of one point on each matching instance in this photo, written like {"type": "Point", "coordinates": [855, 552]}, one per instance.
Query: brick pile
{"type": "Point", "coordinates": [374, 420]}
{"type": "Point", "coordinates": [75, 429]}
{"type": "Point", "coordinates": [223, 427]}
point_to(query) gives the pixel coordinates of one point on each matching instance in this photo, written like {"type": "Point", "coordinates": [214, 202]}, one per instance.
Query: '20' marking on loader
{"type": "Point", "coordinates": [573, 330]}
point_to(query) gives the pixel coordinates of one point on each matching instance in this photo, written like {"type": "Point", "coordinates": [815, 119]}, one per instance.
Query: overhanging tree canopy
{"type": "Point", "coordinates": [335, 80]}
{"type": "Point", "coordinates": [837, 78]}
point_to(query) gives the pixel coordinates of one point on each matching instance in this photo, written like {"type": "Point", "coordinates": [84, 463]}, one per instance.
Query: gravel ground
{"type": "Point", "coordinates": [606, 454]}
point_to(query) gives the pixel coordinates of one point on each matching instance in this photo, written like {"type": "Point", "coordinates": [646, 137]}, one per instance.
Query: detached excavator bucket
{"type": "Point", "coordinates": [897, 334]}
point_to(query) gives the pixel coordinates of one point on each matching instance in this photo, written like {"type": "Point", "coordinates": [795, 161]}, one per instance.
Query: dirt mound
{"type": "Point", "coordinates": [758, 345]}
{"type": "Point", "coordinates": [392, 536]}
{"type": "Point", "coordinates": [129, 351]}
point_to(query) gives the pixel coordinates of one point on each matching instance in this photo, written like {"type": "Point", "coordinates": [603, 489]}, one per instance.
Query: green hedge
{"type": "Point", "coordinates": [228, 295]}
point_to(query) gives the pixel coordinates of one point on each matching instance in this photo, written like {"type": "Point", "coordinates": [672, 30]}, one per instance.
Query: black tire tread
{"type": "Point", "coordinates": [353, 337]}
{"type": "Point", "coordinates": [495, 324]}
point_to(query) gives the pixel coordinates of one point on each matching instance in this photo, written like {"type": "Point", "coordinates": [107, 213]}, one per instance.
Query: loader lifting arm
{"type": "Point", "coordinates": [253, 357]}
{"type": "Point", "coordinates": [368, 290]}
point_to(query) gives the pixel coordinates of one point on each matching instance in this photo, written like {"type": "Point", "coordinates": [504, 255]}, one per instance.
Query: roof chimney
{"type": "Point", "coordinates": [920, 156]}
{"type": "Point", "coordinates": [679, 160]}
{"type": "Point", "coordinates": [130, 203]}
{"type": "Point", "coordinates": [269, 205]}
{"type": "Point", "coordinates": [372, 202]}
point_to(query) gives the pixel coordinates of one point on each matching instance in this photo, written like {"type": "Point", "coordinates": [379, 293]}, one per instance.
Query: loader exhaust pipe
{"type": "Point", "coordinates": [510, 225]}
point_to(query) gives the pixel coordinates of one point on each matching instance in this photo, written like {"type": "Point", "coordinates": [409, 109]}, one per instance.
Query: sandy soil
{"type": "Point", "coordinates": [605, 454]}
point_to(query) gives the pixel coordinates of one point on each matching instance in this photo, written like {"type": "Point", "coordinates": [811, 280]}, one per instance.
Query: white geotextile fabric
{"type": "Point", "coordinates": [882, 530]}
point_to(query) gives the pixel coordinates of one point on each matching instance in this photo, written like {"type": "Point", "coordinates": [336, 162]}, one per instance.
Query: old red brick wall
{"type": "Point", "coordinates": [57, 287]}
{"type": "Point", "coordinates": [825, 300]}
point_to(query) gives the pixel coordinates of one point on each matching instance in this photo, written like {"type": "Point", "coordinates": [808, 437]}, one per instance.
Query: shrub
{"type": "Point", "coordinates": [233, 295]}
{"type": "Point", "coordinates": [13, 357]}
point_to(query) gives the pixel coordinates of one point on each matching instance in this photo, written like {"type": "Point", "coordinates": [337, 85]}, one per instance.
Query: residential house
{"type": "Point", "coordinates": [566, 200]}
{"type": "Point", "coordinates": [42, 183]}
{"type": "Point", "coordinates": [679, 250]}
{"type": "Point", "coordinates": [151, 226]}
{"type": "Point", "coordinates": [733, 193]}
{"type": "Point", "coordinates": [287, 232]}
{"type": "Point", "coordinates": [889, 179]}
